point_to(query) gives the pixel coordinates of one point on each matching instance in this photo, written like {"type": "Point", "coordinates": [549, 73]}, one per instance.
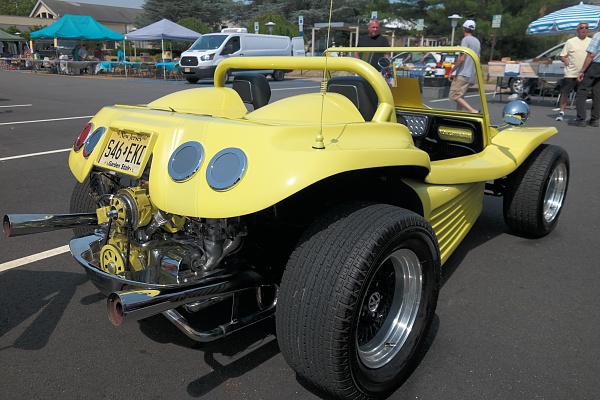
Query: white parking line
{"type": "Point", "coordinates": [34, 154]}
{"type": "Point", "coordinates": [17, 105]}
{"type": "Point", "coordinates": [33, 258]}
{"type": "Point", "coordinates": [44, 120]}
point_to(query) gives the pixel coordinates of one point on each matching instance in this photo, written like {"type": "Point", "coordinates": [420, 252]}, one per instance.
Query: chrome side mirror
{"type": "Point", "coordinates": [516, 112]}
{"type": "Point", "coordinates": [384, 62]}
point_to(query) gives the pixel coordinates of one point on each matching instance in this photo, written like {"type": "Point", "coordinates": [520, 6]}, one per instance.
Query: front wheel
{"type": "Point", "coordinates": [192, 80]}
{"type": "Point", "coordinates": [357, 299]}
{"type": "Point", "coordinates": [536, 191]}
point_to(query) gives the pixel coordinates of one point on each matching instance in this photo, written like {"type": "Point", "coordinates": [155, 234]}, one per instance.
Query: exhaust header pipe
{"type": "Point", "coordinates": [26, 224]}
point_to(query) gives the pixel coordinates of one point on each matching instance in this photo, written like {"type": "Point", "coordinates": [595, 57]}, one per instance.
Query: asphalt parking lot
{"type": "Point", "coordinates": [517, 318]}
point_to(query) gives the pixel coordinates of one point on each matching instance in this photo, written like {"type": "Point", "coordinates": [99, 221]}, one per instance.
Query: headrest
{"type": "Point", "coordinates": [253, 88]}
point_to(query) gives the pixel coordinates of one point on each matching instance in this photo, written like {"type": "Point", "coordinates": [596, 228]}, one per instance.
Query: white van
{"type": "Point", "coordinates": [201, 59]}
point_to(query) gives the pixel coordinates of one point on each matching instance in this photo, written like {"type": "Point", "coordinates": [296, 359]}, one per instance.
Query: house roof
{"type": "Point", "coordinates": [58, 8]}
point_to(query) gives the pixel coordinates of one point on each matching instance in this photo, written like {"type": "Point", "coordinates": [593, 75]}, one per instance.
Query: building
{"type": "Point", "coordinates": [46, 12]}
{"type": "Point", "coordinates": [119, 19]}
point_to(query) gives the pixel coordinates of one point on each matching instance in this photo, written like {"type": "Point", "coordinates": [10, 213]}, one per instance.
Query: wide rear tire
{"type": "Point", "coordinates": [536, 191]}
{"type": "Point", "coordinates": [357, 299]}
{"type": "Point", "coordinates": [82, 202]}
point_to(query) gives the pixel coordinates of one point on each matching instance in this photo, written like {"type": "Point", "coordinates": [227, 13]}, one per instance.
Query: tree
{"type": "Point", "coordinates": [195, 25]}
{"type": "Point", "coordinates": [16, 7]}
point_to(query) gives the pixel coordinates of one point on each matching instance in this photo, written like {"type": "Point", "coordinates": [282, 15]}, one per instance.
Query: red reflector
{"type": "Point", "coordinates": [82, 137]}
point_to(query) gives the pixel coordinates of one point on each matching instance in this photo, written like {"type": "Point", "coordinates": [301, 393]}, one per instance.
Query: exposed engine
{"type": "Point", "coordinates": [181, 247]}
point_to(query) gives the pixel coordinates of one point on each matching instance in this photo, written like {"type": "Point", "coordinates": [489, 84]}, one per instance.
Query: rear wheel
{"type": "Point", "coordinates": [278, 75]}
{"type": "Point", "coordinates": [357, 299]}
{"type": "Point", "coordinates": [516, 85]}
{"type": "Point", "coordinates": [82, 202]}
{"type": "Point", "coordinates": [536, 191]}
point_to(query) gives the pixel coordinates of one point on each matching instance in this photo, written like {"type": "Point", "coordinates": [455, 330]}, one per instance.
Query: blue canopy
{"type": "Point", "coordinates": [565, 21]}
{"type": "Point", "coordinates": [76, 27]}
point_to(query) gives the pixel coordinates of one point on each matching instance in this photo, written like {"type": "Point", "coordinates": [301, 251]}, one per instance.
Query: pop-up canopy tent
{"type": "Point", "coordinates": [163, 30]}
{"type": "Point", "coordinates": [77, 27]}
{"type": "Point", "coordinates": [7, 37]}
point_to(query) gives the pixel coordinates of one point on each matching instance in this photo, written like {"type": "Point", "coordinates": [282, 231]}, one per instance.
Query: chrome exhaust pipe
{"type": "Point", "coordinates": [134, 305]}
{"type": "Point", "coordinates": [26, 224]}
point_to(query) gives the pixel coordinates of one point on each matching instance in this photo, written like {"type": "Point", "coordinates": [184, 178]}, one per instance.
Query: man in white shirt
{"type": "Point", "coordinates": [573, 55]}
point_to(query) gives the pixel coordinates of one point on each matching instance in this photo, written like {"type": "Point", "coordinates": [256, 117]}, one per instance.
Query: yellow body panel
{"type": "Point", "coordinates": [451, 211]}
{"type": "Point", "coordinates": [281, 157]}
{"type": "Point", "coordinates": [508, 150]}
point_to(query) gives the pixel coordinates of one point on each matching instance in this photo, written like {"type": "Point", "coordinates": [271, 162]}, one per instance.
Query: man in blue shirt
{"type": "Point", "coordinates": [589, 78]}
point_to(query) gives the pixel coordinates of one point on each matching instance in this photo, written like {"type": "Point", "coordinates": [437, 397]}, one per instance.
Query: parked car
{"type": "Point", "coordinates": [430, 59]}
{"type": "Point", "coordinates": [515, 84]}
{"type": "Point", "coordinates": [333, 211]}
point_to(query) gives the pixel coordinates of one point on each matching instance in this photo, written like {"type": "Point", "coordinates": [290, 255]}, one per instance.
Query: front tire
{"type": "Point", "coordinates": [357, 299]}
{"type": "Point", "coordinates": [192, 80]}
{"type": "Point", "coordinates": [536, 191]}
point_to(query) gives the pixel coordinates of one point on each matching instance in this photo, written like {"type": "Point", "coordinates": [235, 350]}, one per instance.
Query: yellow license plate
{"type": "Point", "coordinates": [186, 70]}
{"type": "Point", "coordinates": [125, 151]}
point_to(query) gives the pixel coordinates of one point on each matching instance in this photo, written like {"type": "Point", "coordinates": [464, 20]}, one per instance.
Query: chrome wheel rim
{"type": "Point", "coordinates": [555, 193]}
{"type": "Point", "coordinates": [389, 308]}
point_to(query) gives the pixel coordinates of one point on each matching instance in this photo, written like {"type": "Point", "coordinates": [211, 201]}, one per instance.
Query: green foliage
{"type": "Point", "coordinates": [17, 7]}
{"type": "Point", "coordinates": [195, 25]}
{"type": "Point", "coordinates": [282, 25]}
{"type": "Point", "coordinates": [508, 41]}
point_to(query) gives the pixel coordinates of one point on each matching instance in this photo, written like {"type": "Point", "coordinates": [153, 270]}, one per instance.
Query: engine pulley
{"type": "Point", "coordinates": [131, 207]}
{"type": "Point", "coordinates": [112, 260]}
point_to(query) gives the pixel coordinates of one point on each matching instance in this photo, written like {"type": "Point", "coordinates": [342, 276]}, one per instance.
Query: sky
{"type": "Point", "coordinates": [118, 3]}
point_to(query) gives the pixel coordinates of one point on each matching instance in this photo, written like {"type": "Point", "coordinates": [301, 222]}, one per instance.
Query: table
{"type": "Point", "coordinates": [548, 73]}
{"type": "Point", "coordinates": [104, 66]}
{"type": "Point", "coordinates": [75, 67]}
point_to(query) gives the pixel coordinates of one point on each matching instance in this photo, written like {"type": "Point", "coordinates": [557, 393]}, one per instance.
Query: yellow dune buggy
{"type": "Point", "coordinates": [332, 211]}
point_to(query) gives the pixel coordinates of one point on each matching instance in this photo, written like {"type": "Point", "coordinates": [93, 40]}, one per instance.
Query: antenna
{"type": "Point", "coordinates": [320, 139]}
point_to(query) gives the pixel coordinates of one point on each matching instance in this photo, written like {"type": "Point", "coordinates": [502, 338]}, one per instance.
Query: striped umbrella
{"type": "Point", "coordinates": [566, 20]}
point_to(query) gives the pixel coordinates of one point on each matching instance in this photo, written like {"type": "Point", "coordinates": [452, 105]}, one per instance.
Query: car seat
{"type": "Point", "coordinates": [253, 88]}
{"type": "Point", "coordinates": [358, 90]}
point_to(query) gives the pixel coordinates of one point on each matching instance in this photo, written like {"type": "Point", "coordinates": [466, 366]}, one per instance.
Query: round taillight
{"type": "Point", "coordinates": [82, 137]}
{"type": "Point", "coordinates": [92, 141]}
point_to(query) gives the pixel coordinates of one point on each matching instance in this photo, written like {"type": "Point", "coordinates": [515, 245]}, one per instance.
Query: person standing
{"type": "Point", "coordinates": [83, 52]}
{"type": "Point", "coordinates": [373, 39]}
{"type": "Point", "coordinates": [98, 52]}
{"type": "Point", "coordinates": [573, 56]}
{"type": "Point", "coordinates": [465, 68]}
{"type": "Point", "coordinates": [120, 54]}
{"type": "Point", "coordinates": [588, 78]}
{"type": "Point", "coordinates": [75, 52]}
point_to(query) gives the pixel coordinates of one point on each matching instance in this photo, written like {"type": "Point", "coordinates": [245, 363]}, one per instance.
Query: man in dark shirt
{"type": "Point", "coordinates": [372, 39]}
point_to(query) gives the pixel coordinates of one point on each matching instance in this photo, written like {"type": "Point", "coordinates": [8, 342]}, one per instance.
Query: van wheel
{"type": "Point", "coordinates": [278, 75]}
{"type": "Point", "coordinates": [192, 80]}
{"type": "Point", "coordinates": [227, 76]}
